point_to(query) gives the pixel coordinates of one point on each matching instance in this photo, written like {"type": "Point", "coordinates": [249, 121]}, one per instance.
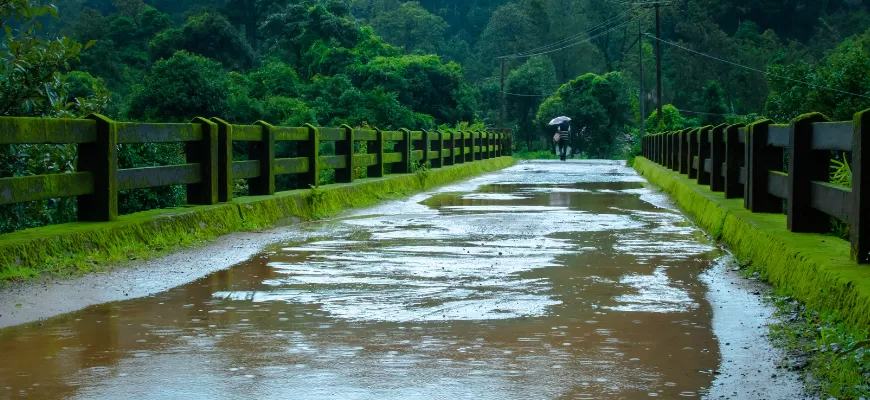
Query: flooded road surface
{"type": "Point", "coordinates": [545, 280]}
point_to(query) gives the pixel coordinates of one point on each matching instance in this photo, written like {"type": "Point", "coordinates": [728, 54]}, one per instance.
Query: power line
{"type": "Point", "coordinates": [757, 70]}
{"type": "Point", "coordinates": [568, 39]}
{"type": "Point", "coordinates": [579, 42]}
{"type": "Point", "coordinates": [711, 114]}
{"type": "Point", "coordinates": [528, 95]}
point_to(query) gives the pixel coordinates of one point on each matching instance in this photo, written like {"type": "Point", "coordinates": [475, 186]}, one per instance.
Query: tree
{"type": "Point", "coordinates": [411, 26]}
{"type": "Point", "coordinates": [829, 87]}
{"type": "Point", "coordinates": [422, 83]}
{"type": "Point", "coordinates": [292, 31]}
{"type": "Point", "coordinates": [713, 104]}
{"type": "Point", "coordinates": [131, 9]}
{"type": "Point", "coordinates": [33, 83]}
{"type": "Point", "coordinates": [209, 35]}
{"type": "Point", "coordinates": [597, 106]}
{"type": "Point", "coordinates": [528, 86]}
{"type": "Point", "coordinates": [671, 121]}
{"type": "Point", "coordinates": [275, 79]}
{"type": "Point", "coordinates": [181, 88]}
{"type": "Point", "coordinates": [31, 67]}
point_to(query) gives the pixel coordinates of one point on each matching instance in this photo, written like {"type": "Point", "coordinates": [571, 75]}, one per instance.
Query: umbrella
{"type": "Point", "coordinates": [557, 121]}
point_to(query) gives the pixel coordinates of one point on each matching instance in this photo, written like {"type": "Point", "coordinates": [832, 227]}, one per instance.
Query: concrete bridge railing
{"type": "Point", "coordinates": [209, 170]}
{"type": "Point", "coordinates": [777, 168]}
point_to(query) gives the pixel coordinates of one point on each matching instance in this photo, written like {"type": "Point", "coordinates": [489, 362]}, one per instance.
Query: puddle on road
{"type": "Point", "coordinates": [545, 280]}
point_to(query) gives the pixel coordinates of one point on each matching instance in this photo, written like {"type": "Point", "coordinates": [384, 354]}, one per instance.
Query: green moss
{"type": "Point", "coordinates": [815, 269]}
{"type": "Point", "coordinates": [81, 247]}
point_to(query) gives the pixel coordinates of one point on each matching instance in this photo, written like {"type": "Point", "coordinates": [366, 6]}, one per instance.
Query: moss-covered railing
{"type": "Point", "coordinates": [209, 170]}
{"type": "Point", "coordinates": [777, 168]}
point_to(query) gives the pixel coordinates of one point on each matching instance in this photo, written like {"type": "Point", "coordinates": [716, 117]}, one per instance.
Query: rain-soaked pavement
{"type": "Point", "coordinates": [545, 280]}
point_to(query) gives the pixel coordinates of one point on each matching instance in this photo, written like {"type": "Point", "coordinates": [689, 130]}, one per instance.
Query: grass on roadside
{"type": "Point", "coordinates": [832, 356]}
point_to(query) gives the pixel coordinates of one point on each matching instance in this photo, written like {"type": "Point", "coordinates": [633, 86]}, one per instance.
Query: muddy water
{"type": "Point", "coordinates": [546, 280]}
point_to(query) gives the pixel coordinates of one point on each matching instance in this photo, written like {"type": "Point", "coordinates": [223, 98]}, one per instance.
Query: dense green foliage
{"type": "Point", "coordinates": [423, 64]}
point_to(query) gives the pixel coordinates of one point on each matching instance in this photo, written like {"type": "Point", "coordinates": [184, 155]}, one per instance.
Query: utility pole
{"type": "Point", "coordinates": [642, 91]}
{"type": "Point", "coordinates": [658, 62]}
{"type": "Point", "coordinates": [501, 109]}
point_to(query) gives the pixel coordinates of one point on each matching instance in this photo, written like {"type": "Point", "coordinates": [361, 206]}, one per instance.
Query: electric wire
{"type": "Point", "coordinates": [757, 70]}
{"type": "Point", "coordinates": [527, 95]}
{"type": "Point", "coordinates": [579, 35]}
{"type": "Point", "coordinates": [711, 114]}
{"type": "Point", "coordinates": [591, 38]}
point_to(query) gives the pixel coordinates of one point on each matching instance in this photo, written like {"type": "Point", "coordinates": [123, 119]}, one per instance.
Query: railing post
{"type": "Point", "coordinates": [717, 158]}
{"type": "Point", "coordinates": [376, 147]}
{"type": "Point", "coordinates": [663, 148]}
{"type": "Point", "coordinates": [468, 146]}
{"type": "Point", "coordinates": [454, 158]}
{"type": "Point", "coordinates": [510, 144]}
{"type": "Point", "coordinates": [225, 160]}
{"type": "Point", "coordinates": [648, 139]}
{"type": "Point", "coordinates": [311, 150]}
{"type": "Point", "coordinates": [447, 144]}
{"type": "Point", "coordinates": [491, 144]}
{"type": "Point", "coordinates": [860, 214]}
{"type": "Point", "coordinates": [703, 154]}
{"type": "Point", "coordinates": [484, 143]}
{"type": "Point", "coordinates": [664, 141]}
{"type": "Point", "coordinates": [100, 158]}
{"type": "Point", "coordinates": [649, 147]}
{"type": "Point", "coordinates": [204, 153]}
{"type": "Point", "coordinates": [475, 143]}
{"type": "Point", "coordinates": [675, 157]}
{"type": "Point", "coordinates": [663, 138]}
{"type": "Point", "coordinates": [497, 144]}
{"type": "Point", "coordinates": [747, 166]}
{"type": "Point", "coordinates": [734, 157]}
{"type": "Point", "coordinates": [345, 148]}
{"type": "Point", "coordinates": [643, 146]}
{"type": "Point", "coordinates": [806, 165]}
{"type": "Point", "coordinates": [404, 147]}
{"type": "Point", "coordinates": [423, 144]}
{"type": "Point", "coordinates": [692, 144]}
{"type": "Point", "coordinates": [264, 152]}
{"type": "Point", "coordinates": [762, 159]}
{"type": "Point", "coordinates": [438, 146]}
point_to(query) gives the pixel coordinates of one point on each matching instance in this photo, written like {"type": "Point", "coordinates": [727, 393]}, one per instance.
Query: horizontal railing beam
{"type": "Point", "coordinates": [287, 166]}
{"type": "Point", "coordinates": [44, 187]}
{"type": "Point", "coordinates": [831, 199]}
{"type": "Point", "coordinates": [150, 177]}
{"type": "Point", "coordinates": [17, 130]}
{"type": "Point", "coordinates": [134, 133]}
{"type": "Point", "coordinates": [778, 135]}
{"type": "Point", "coordinates": [835, 136]}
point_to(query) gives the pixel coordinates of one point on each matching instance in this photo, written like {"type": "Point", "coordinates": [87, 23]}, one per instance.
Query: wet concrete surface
{"type": "Point", "coordinates": [545, 280]}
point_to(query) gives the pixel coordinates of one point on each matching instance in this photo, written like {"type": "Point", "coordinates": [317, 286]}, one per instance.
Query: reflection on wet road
{"type": "Point", "coordinates": [545, 280]}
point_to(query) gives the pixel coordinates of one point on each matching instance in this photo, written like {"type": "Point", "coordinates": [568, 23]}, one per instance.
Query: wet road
{"type": "Point", "coordinates": [545, 280]}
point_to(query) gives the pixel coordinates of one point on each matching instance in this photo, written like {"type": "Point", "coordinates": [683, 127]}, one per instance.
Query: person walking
{"type": "Point", "coordinates": [564, 132]}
